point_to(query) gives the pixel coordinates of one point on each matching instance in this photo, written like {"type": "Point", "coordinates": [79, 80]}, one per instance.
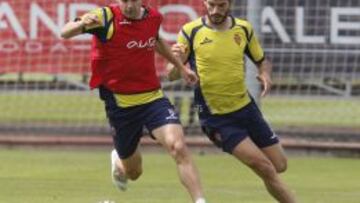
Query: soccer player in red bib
{"type": "Point", "coordinates": [123, 69]}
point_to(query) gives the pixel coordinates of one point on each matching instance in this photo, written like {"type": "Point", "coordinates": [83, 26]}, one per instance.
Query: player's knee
{"type": "Point", "coordinates": [178, 150]}
{"type": "Point", "coordinates": [282, 166]}
{"type": "Point", "coordinates": [263, 167]}
{"type": "Point", "coordinates": [134, 174]}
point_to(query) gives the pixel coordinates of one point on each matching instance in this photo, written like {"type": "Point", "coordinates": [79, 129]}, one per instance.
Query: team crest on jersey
{"type": "Point", "coordinates": [237, 39]}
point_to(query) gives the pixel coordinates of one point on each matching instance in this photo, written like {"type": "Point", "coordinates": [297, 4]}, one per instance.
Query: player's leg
{"type": "Point", "coordinates": [128, 162]}
{"type": "Point", "coordinates": [264, 137]}
{"type": "Point", "coordinates": [277, 156]}
{"type": "Point", "coordinates": [165, 127]}
{"type": "Point", "coordinates": [232, 139]}
{"type": "Point", "coordinates": [230, 132]}
{"type": "Point", "coordinates": [131, 167]}
{"type": "Point", "coordinates": [248, 153]}
{"type": "Point", "coordinates": [171, 136]}
{"type": "Point", "coordinates": [127, 131]}
{"type": "Point", "coordinates": [262, 152]}
{"type": "Point", "coordinates": [118, 176]}
{"type": "Point", "coordinates": [124, 169]}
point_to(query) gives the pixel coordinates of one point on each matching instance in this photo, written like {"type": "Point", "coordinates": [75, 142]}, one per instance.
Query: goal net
{"type": "Point", "coordinates": [313, 44]}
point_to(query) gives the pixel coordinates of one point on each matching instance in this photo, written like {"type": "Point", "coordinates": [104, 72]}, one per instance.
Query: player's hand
{"type": "Point", "coordinates": [265, 80]}
{"type": "Point", "coordinates": [189, 76]}
{"type": "Point", "coordinates": [179, 50]}
{"type": "Point", "coordinates": [172, 72]}
{"type": "Point", "coordinates": [91, 20]}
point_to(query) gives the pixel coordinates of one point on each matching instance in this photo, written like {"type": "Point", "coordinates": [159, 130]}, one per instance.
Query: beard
{"type": "Point", "coordinates": [218, 19]}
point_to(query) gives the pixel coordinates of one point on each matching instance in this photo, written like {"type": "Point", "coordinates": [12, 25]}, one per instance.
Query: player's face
{"type": "Point", "coordinates": [217, 10]}
{"type": "Point", "coordinates": [130, 8]}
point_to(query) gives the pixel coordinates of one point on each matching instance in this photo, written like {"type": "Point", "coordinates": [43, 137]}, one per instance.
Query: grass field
{"type": "Point", "coordinates": [87, 108]}
{"type": "Point", "coordinates": [312, 111]}
{"type": "Point", "coordinates": [82, 176]}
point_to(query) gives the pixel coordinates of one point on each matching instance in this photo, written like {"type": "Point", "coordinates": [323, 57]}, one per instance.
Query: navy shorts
{"type": "Point", "coordinates": [128, 123]}
{"type": "Point", "coordinates": [228, 130]}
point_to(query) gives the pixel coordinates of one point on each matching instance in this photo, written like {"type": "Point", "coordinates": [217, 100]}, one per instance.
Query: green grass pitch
{"type": "Point", "coordinates": [83, 176]}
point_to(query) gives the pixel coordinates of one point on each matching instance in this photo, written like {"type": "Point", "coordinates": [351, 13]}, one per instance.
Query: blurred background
{"type": "Point", "coordinates": [45, 102]}
{"type": "Point", "coordinates": [314, 46]}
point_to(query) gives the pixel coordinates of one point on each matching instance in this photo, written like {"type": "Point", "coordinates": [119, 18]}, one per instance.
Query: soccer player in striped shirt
{"type": "Point", "coordinates": [123, 69]}
{"type": "Point", "coordinates": [215, 46]}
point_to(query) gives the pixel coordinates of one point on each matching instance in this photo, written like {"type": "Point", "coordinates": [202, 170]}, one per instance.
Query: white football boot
{"type": "Point", "coordinates": [119, 180]}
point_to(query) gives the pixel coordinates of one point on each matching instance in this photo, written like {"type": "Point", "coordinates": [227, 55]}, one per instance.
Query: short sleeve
{"type": "Point", "coordinates": [104, 31]}
{"type": "Point", "coordinates": [254, 50]}
{"type": "Point", "coordinates": [100, 14]}
{"type": "Point", "coordinates": [184, 38]}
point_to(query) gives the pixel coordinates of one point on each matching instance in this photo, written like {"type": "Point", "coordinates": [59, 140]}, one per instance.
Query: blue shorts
{"type": "Point", "coordinates": [128, 123]}
{"type": "Point", "coordinates": [228, 130]}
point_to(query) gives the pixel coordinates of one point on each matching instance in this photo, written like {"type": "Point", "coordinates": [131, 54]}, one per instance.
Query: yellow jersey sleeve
{"type": "Point", "coordinates": [182, 38]}
{"type": "Point", "coordinates": [106, 30]}
{"type": "Point", "coordinates": [254, 50]}
{"type": "Point", "coordinates": [185, 36]}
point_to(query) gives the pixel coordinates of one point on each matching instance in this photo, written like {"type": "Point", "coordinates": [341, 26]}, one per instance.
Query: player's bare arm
{"type": "Point", "coordinates": [264, 76]}
{"type": "Point", "coordinates": [74, 28]}
{"type": "Point", "coordinates": [180, 51]}
{"type": "Point", "coordinates": [164, 49]}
